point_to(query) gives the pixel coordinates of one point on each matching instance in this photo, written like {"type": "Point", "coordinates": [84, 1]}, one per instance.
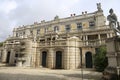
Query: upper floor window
{"type": "Point", "coordinates": [24, 33]}
{"type": "Point", "coordinates": [56, 29]}
{"type": "Point", "coordinates": [67, 27]}
{"type": "Point", "coordinates": [20, 33]}
{"type": "Point", "coordinates": [79, 26]}
{"type": "Point", "coordinates": [31, 31]}
{"type": "Point", "coordinates": [46, 29]}
{"type": "Point", "coordinates": [38, 31]}
{"type": "Point", "coordinates": [17, 34]}
{"type": "Point", "coordinates": [91, 24]}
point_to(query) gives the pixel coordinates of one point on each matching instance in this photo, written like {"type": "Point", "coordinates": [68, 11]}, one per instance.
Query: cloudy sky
{"type": "Point", "coordinates": [14, 13]}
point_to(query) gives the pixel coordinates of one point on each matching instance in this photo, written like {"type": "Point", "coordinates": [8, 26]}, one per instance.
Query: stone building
{"type": "Point", "coordinates": [62, 43]}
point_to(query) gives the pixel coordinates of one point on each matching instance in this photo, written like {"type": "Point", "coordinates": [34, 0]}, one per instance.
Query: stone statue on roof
{"type": "Point", "coordinates": [113, 22]}
{"type": "Point", "coordinates": [99, 7]}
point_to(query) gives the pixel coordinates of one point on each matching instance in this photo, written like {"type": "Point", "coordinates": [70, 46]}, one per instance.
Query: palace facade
{"type": "Point", "coordinates": [62, 43]}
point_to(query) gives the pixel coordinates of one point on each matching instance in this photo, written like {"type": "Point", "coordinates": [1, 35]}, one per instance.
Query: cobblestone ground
{"type": "Point", "coordinates": [14, 73]}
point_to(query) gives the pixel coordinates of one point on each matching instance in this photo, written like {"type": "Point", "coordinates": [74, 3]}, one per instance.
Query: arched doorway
{"type": "Point", "coordinates": [58, 60]}
{"type": "Point", "coordinates": [8, 57]}
{"type": "Point", "coordinates": [44, 58]}
{"type": "Point", "coordinates": [88, 59]}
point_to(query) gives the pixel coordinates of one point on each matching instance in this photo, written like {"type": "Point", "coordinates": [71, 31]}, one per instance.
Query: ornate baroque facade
{"type": "Point", "coordinates": [59, 43]}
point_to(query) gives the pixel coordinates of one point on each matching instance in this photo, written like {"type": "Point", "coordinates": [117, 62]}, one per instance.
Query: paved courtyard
{"type": "Point", "coordinates": [15, 73]}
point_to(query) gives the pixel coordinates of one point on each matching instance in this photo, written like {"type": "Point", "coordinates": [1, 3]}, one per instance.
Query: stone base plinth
{"type": "Point", "coordinates": [110, 73]}
{"type": "Point", "coordinates": [19, 64]}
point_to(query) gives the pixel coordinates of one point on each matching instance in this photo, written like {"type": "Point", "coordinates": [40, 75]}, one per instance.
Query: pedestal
{"type": "Point", "coordinates": [112, 72]}
{"type": "Point", "coordinates": [19, 63]}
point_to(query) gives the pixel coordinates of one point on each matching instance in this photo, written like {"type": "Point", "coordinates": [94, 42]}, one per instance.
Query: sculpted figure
{"type": "Point", "coordinates": [112, 18]}
{"type": "Point", "coordinates": [113, 22]}
{"type": "Point", "coordinates": [99, 6]}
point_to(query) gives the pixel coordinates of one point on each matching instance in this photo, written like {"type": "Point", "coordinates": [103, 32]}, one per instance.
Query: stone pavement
{"type": "Point", "coordinates": [15, 73]}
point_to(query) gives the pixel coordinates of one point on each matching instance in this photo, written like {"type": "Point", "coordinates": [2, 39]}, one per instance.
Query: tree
{"type": "Point", "coordinates": [1, 44]}
{"type": "Point", "coordinates": [100, 59]}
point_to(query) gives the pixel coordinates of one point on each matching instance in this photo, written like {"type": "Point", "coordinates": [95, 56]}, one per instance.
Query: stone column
{"type": "Point", "coordinates": [0, 54]}
{"type": "Point", "coordinates": [86, 38]}
{"type": "Point", "coordinates": [4, 56]}
{"type": "Point", "coordinates": [111, 35]}
{"type": "Point", "coordinates": [12, 57]}
{"type": "Point", "coordinates": [113, 54]}
{"type": "Point", "coordinates": [74, 57]}
{"type": "Point", "coordinates": [99, 38]}
{"type": "Point", "coordinates": [72, 54]}
{"type": "Point", "coordinates": [37, 57]}
{"type": "Point", "coordinates": [66, 58]}
{"type": "Point", "coordinates": [50, 58]}
{"type": "Point", "coordinates": [77, 58]}
{"type": "Point", "coordinates": [108, 35]}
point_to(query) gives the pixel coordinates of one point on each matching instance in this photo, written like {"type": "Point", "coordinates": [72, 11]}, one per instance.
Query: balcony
{"type": "Point", "coordinates": [22, 53]}
{"type": "Point", "coordinates": [87, 43]}
{"type": "Point", "coordinates": [94, 43]}
{"type": "Point", "coordinates": [53, 43]}
{"type": "Point", "coordinates": [105, 27]}
{"type": "Point", "coordinates": [20, 58]}
{"type": "Point", "coordinates": [22, 48]}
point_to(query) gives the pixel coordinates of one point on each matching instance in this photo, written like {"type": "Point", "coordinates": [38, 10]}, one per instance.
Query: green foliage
{"type": "Point", "coordinates": [100, 59]}
{"type": "Point", "coordinates": [1, 44]}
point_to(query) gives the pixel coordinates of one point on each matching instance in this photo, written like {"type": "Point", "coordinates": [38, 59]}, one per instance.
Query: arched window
{"type": "Point", "coordinates": [56, 29]}
{"type": "Point", "coordinates": [79, 26]}
{"type": "Point", "coordinates": [68, 28]}
{"type": "Point", "coordinates": [38, 31]}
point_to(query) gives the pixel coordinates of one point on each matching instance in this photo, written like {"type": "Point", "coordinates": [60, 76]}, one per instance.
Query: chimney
{"type": "Point", "coordinates": [43, 21]}
{"type": "Point", "coordinates": [85, 12]}
{"type": "Point", "coordinates": [35, 22]}
{"type": "Point", "coordinates": [82, 12]}
{"type": "Point", "coordinates": [74, 14]}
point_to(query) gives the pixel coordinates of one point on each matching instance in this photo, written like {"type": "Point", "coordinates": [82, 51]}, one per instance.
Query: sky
{"type": "Point", "coordinates": [15, 13]}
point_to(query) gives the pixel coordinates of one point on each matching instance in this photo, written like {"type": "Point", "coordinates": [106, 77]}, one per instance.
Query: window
{"type": "Point", "coordinates": [56, 28]}
{"type": "Point", "coordinates": [91, 24]}
{"type": "Point", "coordinates": [67, 28]}
{"type": "Point", "coordinates": [20, 33]}
{"type": "Point", "coordinates": [46, 30]}
{"type": "Point", "coordinates": [17, 35]}
{"type": "Point", "coordinates": [79, 26]}
{"type": "Point", "coordinates": [38, 31]}
{"type": "Point", "coordinates": [16, 55]}
{"type": "Point", "coordinates": [31, 32]}
{"type": "Point", "coordinates": [24, 33]}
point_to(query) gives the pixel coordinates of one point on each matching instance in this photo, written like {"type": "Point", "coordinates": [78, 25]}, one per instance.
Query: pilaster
{"type": "Point", "coordinates": [50, 58]}
{"type": "Point", "coordinates": [12, 57]}
{"type": "Point", "coordinates": [4, 56]}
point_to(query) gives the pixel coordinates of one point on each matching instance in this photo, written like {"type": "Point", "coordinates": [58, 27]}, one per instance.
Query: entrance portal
{"type": "Point", "coordinates": [58, 60]}
{"type": "Point", "coordinates": [88, 57]}
{"type": "Point", "coordinates": [44, 58]}
{"type": "Point", "coordinates": [8, 57]}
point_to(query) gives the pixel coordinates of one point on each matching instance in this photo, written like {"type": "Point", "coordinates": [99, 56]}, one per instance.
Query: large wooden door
{"type": "Point", "coordinates": [44, 58]}
{"type": "Point", "coordinates": [89, 63]}
{"type": "Point", "coordinates": [8, 57]}
{"type": "Point", "coordinates": [58, 60]}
